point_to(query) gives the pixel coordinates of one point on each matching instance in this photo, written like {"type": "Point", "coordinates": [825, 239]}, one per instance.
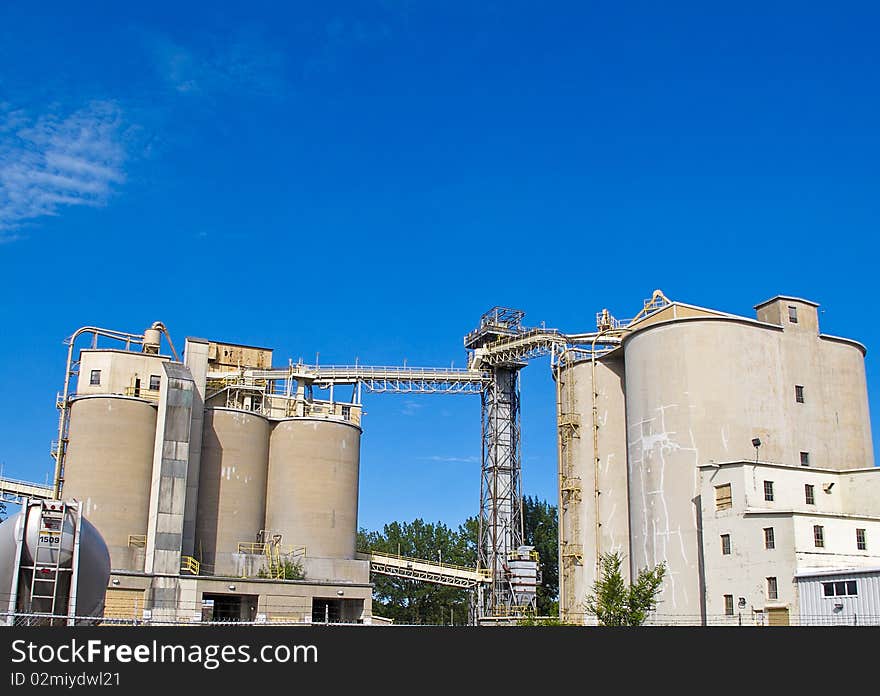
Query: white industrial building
{"type": "Point", "coordinates": [768, 527]}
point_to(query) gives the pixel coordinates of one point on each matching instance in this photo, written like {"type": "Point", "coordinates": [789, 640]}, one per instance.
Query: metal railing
{"type": "Point", "coordinates": [259, 548]}
{"type": "Point", "coordinates": [142, 393]}
{"type": "Point", "coordinates": [190, 565]}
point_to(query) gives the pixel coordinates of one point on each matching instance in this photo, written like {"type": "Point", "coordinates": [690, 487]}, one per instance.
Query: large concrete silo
{"type": "Point", "coordinates": [232, 485]}
{"type": "Point", "coordinates": [312, 492]}
{"type": "Point", "coordinates": [108, 467]}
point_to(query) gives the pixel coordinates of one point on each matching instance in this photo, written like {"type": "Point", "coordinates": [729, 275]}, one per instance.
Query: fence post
{"type": "Point", "coordinates": [855, 619]}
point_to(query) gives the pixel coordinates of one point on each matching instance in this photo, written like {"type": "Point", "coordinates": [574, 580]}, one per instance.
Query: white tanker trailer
{"type": "Point", "coordinates": [53, 563]}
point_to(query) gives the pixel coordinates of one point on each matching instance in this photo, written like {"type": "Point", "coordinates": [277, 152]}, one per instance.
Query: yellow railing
{"type": "Point", "coordinates": [137, 540]}
{"type": "Point", "coordinates": [188, 564]}
{"type": "Point", "coordinates": [259, 548]}
{"type": "Point", "coordinates": [143, 393]}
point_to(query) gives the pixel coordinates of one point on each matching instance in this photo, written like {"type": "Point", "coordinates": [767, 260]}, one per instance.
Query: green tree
{"type": "Point", "coordinates": [541, 530]}
{"type": "Point", "coordinates": [616, 604]}
{"type": "Point", "coordinates": [412, 601]}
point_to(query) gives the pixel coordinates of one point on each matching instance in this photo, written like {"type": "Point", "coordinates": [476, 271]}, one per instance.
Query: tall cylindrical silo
{"type": "Point", "coordinates": [109, 466]}
{"type": "Point", "coordinates": [593, 495]}
{"type": "Point", "coordinates": [232, 485]}
{"type": "Point", "coordinates": [312, 491]}
{"type": "Point", "coordinates": [697, 390]}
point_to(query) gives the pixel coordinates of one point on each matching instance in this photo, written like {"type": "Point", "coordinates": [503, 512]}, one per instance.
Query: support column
{"type": "Point", "coordinates": [501, 530]}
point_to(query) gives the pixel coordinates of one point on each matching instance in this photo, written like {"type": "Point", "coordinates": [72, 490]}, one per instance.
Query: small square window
{"type": "Point", "coordinates": [851, 587]}
{"type": "Point", "coordinates": [723, 497]}
{"type": "Point", "coordinates": [809, 494]}
{"type": "Point", "coordinates": [799, 393]}
{"type": "Point", "coordinates": [95, 377]}
{"type": "Point", "coordinates": [861, 540]}
{"type": "Point", "coordinates": [768, 490]}
{"type": "Point", "coordinates": [728, 605]}
{"type": "Point", "coordinates": [725, 544]}
{"type": "Point", "coordinates": [828, 589]}
{"type": "Point", "coordinates": [155, 381]}
{"type": "Point", "coordinates": [792, 314]}
{"type": "Point", "coordinates": [772, 589]}
{"type": "Point", "coordinates": [805, 459]}
{"type": "Point", "coordinates": [819, 536]}
{"type": "Point", "coordinates": [769, 538]}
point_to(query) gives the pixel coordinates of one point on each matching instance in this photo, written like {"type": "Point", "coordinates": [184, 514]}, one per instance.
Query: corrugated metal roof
{"type": "Point", "coordinates": [823, 572]}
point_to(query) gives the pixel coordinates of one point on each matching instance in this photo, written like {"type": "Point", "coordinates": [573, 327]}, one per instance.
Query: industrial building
{"type": "Point", "coordinates": [735, 450]}
{"type": "Point", "coordinates": [670, 440]}
{"type": "Point", "coordinates": [206, 488]}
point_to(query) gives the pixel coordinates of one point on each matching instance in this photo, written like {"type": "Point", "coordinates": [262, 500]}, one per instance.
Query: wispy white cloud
{"type": "Point", "coordinates": [452, 460]}
{"type": "Point", "coordinates": [410, 408]}
{"type": "Point", "coordinates": [243, 64]}
{"type": "Point", "coordinates": [57, 159]}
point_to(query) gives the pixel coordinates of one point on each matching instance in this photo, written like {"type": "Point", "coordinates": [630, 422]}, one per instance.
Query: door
{"type": "Point", "coordinates": [124, 604]}
{"type": "Point", "coordinates": [777, 616]}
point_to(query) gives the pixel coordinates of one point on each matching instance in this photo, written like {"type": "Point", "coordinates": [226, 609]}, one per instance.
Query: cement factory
{"type": "Point", "coordinates": [219, 487]}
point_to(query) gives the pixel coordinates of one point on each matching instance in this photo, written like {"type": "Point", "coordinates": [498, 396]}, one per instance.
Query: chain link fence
{"type": "Point", "coordinates": [19, 619]}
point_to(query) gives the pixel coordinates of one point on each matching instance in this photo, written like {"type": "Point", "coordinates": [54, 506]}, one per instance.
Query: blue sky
{"type": "Point", "coordinates": [365, 179]}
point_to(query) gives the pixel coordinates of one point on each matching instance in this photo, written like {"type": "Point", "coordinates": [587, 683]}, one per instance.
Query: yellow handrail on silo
{"type": "Point", "coordinates": [188, 564]}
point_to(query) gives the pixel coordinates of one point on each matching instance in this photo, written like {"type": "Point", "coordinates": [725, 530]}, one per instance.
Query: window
{"type": "Point", "coordinates": [799, 393]}
{"type": "Point", "coordinates": [840, 588]}
{"type": "Point", "coordinates": [723, 499]}
{"type": "Point", "coordinates": [95, 377]}
{"type": "Point", "coordinates": [769, 538]}
{"type": "Point", "coordinates": [819, 536]}
{"type": "Point", "coordinates": [155, 381]}
{"type": "Point", "coordinates": [809, 494]}
{"type": "Point", "coordinates": [728, 605]}
{"type": "Point", "coordinates": [792, 314]}
{"type": "Point", "coordinates": [805, 459]}
{"type": "Point", "coordinates": [772, 590]}
{"type": "Point", "coordinates": [861, 540]}
{"type": "Point", "coordinates": [725, 544]}
{"type": "Point", "coordinates": [768, 490]}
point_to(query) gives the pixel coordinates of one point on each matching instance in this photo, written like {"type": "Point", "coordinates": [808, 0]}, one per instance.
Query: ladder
{"type": "Point", "coordinates": [51, 582]}
{"type": "Point", "coordinates": [46, 569]}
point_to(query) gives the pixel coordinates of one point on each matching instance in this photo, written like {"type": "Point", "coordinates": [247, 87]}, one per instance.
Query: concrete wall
{"type": "Point", "coordinates": [180, 599]}
{"type": "Point", "coordinates": [119, 370]}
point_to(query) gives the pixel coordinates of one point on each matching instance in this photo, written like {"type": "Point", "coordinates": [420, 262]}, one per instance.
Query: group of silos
{"type": "Point", "coordinates": [297, 477]}
{"type": "Point", "coordinates": [690, 386]}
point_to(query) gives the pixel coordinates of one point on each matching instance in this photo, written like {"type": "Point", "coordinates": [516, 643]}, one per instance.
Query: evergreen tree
{"type": "Point", "coordinates": [616, 604]}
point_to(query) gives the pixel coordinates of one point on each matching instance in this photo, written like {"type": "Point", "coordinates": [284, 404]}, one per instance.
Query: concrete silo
{"type": "Point", "coordinates": [704, 389]}
{"type": "Point", "coordinates": [108, 466]}
{"type": "Point", "coordinates": [312, 492]}
{"type": "Point", "coordinates": [593, 483]}
{"type": "Point", "coordinates": [232, 485]}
